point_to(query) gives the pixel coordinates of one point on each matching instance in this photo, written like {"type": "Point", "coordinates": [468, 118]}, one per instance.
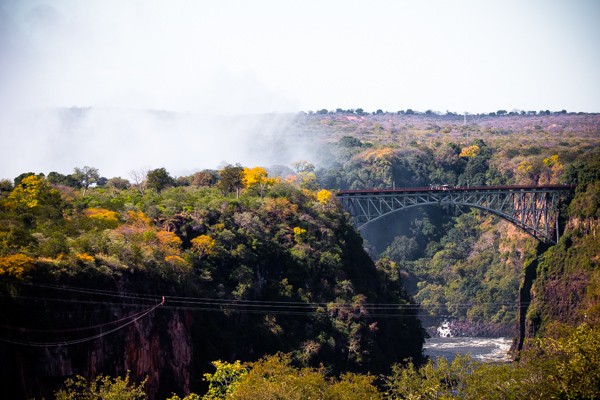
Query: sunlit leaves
{"type": "Point", "coordinates": [324, 196]}
{"type": "Point", "coordinates": [258, 178]}
{"type": "Point", "coordinates": [254, 176]}
{"type": "Point", "coordinates": [102, 387]}
{"type": "Point", "coordinates": [223, 383]}
{"type": "Point", "coordinates": [203, 245]}
{"type": "Point", "coordinates": [31, 192]}
{"type": "Point", "coordinates": [15, 265]}
{"type": "Point", "coordinates": [299, 234]}
{"type": "Point", "coordinates": [104, 217]}
{"type": "Point", "coordinates": [168, 239]}
{"type": "Point", "coordinates": [274, 377]}
{"type": "Point", "coordinates": [85, 257]}
{"type": "Point", "coordinates": [470, 151]}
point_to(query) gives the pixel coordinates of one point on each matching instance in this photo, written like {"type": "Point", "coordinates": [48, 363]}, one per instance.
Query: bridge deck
{"type": "Point", "coordinates": [444, 189]}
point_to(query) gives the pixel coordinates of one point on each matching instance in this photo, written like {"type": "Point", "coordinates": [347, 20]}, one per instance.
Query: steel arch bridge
{"type": "Point", "coordinates": [534, 209]}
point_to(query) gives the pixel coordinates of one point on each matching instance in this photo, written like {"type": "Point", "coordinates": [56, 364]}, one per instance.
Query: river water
{"type": "Point", "coordinates": [479, 348]}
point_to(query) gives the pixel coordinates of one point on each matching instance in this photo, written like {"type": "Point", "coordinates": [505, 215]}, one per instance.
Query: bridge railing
{"type": "Point", "coordinates": [447, 188]}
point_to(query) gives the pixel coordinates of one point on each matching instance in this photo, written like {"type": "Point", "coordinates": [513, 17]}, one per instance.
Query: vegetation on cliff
{"type": "Point", "coordinates": [257, 264]}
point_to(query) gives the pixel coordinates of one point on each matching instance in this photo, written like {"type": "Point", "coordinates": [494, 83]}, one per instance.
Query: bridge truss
{"type": "Point", "coordinates": [534, 209]}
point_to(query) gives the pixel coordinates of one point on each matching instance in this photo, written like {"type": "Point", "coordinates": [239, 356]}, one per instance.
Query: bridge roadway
{"type": "Point", "coordinates": [532, 208]}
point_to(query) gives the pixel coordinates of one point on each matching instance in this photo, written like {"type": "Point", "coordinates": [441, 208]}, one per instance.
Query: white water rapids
{"type": "Point", "coordinates": [479, 348]}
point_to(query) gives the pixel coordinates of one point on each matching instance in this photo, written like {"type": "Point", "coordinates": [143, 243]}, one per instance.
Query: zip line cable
{"type": "Point", "coordinates": [296, 308]}
{"type": "Point", "coordinates": [85, 328]}
{"type": "Point", "coordinates": [85, 339]}
{"type": "Point", "coordinates": [225, 306]}
{"type": "Point", "coordinates": [255, 303]}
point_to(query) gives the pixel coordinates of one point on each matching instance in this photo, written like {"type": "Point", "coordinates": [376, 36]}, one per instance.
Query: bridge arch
{"type": "Point", "coordinates": [533, 209]}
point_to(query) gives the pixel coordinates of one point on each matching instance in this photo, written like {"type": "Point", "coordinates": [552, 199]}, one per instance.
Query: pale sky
{"type": "Point", "coordinates": [231, 57]}
{"type": "Point", "coordinates": [263, 56]}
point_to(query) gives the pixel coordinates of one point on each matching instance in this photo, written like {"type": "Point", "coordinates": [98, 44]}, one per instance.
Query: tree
{"type": "Point", "coordinates": [5, 185]}
{"type": "Point", "coordinates": [257, 177]}
{"type": "Point", "coordinates": [470, 151]}
{"type": "Point", "coordinates": [138, 178]}
{"type": "Point", "coordinates": [303, 166]}
{"type": "Point", "coordinates": [225, 380]}
{"type": "Point", "coordinates": [232, 179]}
{"type": "Point", "coordinates": [203, 245]}
{"type": "Point", "coordinates": [204, 178]}
{"type": "Point", "coordinates": [349, 141]}
{"type": "Point", "coordinates": [34, 192]}
{"type": "Point", "coordinates": [56, 178]}
{"type": "Point", "coordinates": [324, 196]}
{"type": "Point", "coordinates": [24, 175]}
{"type": "Point", "coordinates": [159, 179]}
{"type": "Point", "coordinates": [103, 387]}
{"type": "Point", "coordinates": [86, 176]}
{"type": "Point", "coordinates": [118, 183]}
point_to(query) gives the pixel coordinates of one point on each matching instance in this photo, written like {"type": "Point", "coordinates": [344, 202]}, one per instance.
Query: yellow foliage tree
{"type": "Point", "coordinates": [323, 196]}
{"type": "Point", "coordinates": [137, 218]}
{"type": "Point", "coordinates": [176, 261]}
{"type": "Point", "coordinates": [170, 244]}
{"type": "Point", "coordinates": [555, 168]}
{"type": "Point", "coordinates": [299, 234]}
{"type": "Point", "coordinates": [168, 239]}
{"type": "Point", "coordinates": [31, 192]}
{"type": "Point", "coordinates": [15, 265]}
{"type": "Point", "coordinates": [378, 155]}
{"type": "Point", "coordinates": [103, 217]}
{"type": "Point", "coordinates": [257, 177]}
{"type": "Point", "coordinates": [470, 151]}
{"type": "Point", "coordinates": [102, 214]}
{"type": "Point", "coordinates": [525, 166]}
{"type": "Point", "coordinates": [203, 245]}
{"type": "Point", "coordinates": [85, 257]}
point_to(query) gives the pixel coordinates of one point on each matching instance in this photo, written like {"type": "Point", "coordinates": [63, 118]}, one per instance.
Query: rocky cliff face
{"type": "Point", "coordinates": [158, 346]}
{"type": "Point", "coordinates": [564, 286]}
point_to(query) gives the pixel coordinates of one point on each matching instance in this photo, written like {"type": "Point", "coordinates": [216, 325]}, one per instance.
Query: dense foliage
{"type": "Point", "coordinates": [261, 264]}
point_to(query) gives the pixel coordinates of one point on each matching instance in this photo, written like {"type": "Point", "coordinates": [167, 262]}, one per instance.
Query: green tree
{"type": "Point", "coordinates": [86, 176]}
{"type": "Point", "coordinates": [118, 183]}
{"type": "Point", "coordinates": [223, 382]}
{"type": "Point", "coordinates": [5, 185]}
{"type": "Point", "coordinates": [204, 178]}
{"type": "Point", "coordinates": [56, 178]}
{"type": "Point", "coordinates": [102, 388]}
{"type": "Point", "coordinates": [231, 179]}
{"type": "Point", "coordinates": [159, 179]}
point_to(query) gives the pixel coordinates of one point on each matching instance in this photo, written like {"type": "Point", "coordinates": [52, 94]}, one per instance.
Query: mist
{"type": "Point", "coordinates": [118, 141]}
{"type": "Point", "coordinates": [79, 80]}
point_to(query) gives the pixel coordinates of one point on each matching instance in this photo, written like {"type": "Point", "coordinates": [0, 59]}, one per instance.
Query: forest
{"type": "Point", "coordinates": [249, 281]}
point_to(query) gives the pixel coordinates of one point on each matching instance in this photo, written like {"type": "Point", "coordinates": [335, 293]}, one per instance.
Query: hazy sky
{"type": "Point", "coordinates": [261, 56]}
{"type": "Point", "coordinates": [235, 57]}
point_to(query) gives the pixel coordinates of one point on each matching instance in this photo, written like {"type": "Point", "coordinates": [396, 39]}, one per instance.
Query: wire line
{"type": "Point", "coordinates": [82, 340]}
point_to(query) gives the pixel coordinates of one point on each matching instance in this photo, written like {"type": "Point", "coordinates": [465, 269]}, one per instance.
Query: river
{"type": "Point", "coordinates": [479, 348]}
